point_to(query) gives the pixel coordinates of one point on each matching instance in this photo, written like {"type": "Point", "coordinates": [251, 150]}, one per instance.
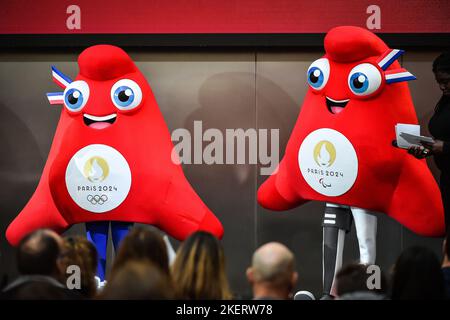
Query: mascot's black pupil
{"type": "Point", "coordinates": [123, 96]}
{"type": "Point", "coordinates": [358, 84]}
{"type": "Point", "coordinates": [72, 99]}
{"type": "Point", "coordinates": [313, 78]}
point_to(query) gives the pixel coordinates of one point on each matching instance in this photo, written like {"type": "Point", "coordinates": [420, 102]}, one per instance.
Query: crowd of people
{"type": "Point", "coordinates": [62, 268]}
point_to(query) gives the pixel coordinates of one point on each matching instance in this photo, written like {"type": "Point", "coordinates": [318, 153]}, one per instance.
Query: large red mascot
{"type": "Point", "coordinates": [111, 159]}
{"type": "Point", "coordinates": [340, 151]}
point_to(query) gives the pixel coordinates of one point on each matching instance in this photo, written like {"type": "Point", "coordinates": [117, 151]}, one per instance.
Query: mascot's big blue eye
{"type": "Point", "coordinates": [364, 79]}
{"type": "Point", "coordinates": [359, 82]}
{"type": "Point", "coordinates": [126, 94]}
{"type": "Point", "coordinates": [315, 77]}
{"type": "Point", "coordinates": [318, 73]}
{"type": "Point", "coordinates": [76, 95]}
{"type": "Point", "coordinates": [73, 98]}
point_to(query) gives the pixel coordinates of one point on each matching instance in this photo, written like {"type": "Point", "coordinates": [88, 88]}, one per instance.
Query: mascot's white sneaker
{"type": "Point", "coordinates": [100, 284]}
{"type": "Point", "coordinates": [304, 295]}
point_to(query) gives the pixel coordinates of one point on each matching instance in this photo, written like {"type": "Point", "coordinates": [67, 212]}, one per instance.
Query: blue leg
{"type": "Point", "coordinates": [97, 233]}
{"type": "Point", "coordinates": [119, 230]}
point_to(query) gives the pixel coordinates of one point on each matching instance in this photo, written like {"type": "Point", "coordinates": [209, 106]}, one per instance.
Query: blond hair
{"type": "Point", "coordinates": [199, 269]}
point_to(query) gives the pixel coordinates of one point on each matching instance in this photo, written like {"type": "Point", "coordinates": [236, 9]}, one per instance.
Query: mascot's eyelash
{"type": "Point", "coordinates": [395, 75]}
{"type": "Point", "coordinates": [61, 80]}
{"type": "Point", "coordinates": [55, 97]}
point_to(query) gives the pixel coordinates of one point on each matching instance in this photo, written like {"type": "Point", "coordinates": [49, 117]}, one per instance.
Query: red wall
{"type": "Point", "coordinates": [218, 16]}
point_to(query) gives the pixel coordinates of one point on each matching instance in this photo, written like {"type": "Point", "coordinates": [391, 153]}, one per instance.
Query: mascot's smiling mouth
{"type": "Point", "coordinates": [99, 122]}
{"type": "Point", "coordinates": [336, 106]}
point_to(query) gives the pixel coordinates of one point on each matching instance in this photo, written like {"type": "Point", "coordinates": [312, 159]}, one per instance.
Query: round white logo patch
{"type": "Point", "coordinates": [328, 162]}
{"type": "Point", "coordinates": [98, 178]}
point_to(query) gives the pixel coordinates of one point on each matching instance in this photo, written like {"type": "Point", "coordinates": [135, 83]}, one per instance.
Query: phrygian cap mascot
{"type": "Point", "coordinates": [340, 151]}
{"type": "Point", "coordinates": [111, 160]}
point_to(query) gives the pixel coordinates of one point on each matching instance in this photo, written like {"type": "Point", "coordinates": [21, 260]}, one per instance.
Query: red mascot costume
{"type": "Point", "coordinates": [111, 160]}
{"type": "Point", "coordinates": [340, 151]}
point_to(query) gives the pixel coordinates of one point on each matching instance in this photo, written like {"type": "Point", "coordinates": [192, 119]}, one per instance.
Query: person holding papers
{"type": "Point", "coordinates": [439, 127]}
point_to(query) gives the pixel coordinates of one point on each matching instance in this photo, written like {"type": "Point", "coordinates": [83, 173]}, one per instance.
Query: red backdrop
{"type": "Point", "coordinates": [218, 16]}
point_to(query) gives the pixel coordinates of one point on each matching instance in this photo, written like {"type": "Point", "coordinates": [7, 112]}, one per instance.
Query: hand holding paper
{"type": "Point", "coordinates": [408, 135]}
{"type": "Point", "coordinates": [416, 140]}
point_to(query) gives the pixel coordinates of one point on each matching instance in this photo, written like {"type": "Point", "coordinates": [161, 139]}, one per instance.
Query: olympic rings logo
{"type": "Point", "coordinates": [96, 199]}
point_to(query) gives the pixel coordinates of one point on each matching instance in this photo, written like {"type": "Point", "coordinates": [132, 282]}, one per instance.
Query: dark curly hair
{"type": "Point", "coordinates": [442, 64]}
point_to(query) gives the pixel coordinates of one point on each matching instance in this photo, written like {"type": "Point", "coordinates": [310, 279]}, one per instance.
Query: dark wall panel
{"type": "Point", "coordinates": [224, 90]}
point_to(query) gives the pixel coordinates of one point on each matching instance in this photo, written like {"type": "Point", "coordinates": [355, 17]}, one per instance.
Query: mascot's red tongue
{"type": "Point", "coordinates": [340, 150]}
{"type": "Point", "coordinates": [111, 157]}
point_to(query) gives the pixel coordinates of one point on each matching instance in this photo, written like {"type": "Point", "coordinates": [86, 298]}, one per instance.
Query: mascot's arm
{"type": "Point", "coordinates": [276, 194]}
{"type": "Point", "coordinates": [183, 212]}
{"type": "Point", "coordinates": [40, 212]}
{"type": "Point", "coordinates": [416, 202]}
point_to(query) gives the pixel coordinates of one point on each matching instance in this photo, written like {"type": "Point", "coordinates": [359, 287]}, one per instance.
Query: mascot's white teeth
{"type": "Point", "coordinates": [338, 101]}
{"type": "Point", "coordinates": [97, 119]}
